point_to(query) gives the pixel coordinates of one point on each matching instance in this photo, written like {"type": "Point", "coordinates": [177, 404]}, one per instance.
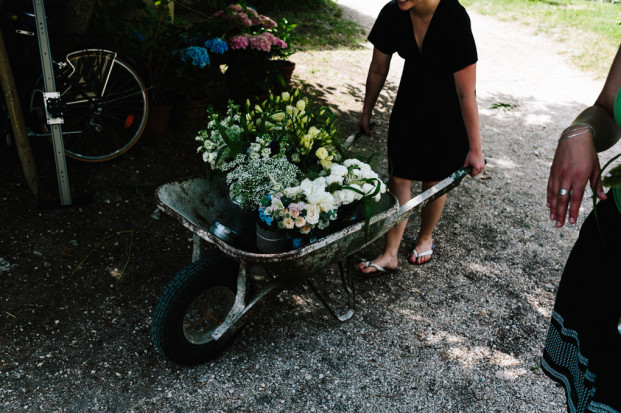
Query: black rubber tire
{"type": "Point", "coordinates": [210, 284]}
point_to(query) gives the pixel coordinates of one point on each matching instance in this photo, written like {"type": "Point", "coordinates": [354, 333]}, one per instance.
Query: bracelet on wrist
{"type": "Point", "coordinates": [575, 130]}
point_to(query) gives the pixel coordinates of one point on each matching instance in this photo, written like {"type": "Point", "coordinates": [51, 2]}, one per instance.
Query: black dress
{"type": "Point", "coordinates": [427, 137]}
{"type": "Point", "coordinates": [583, 347]}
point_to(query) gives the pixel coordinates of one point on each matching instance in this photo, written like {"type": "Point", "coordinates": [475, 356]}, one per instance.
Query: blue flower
{"type": "Point", "coordinates": [264, 217]}
{"type": "Point", "coordinates": [216, 45]}
{"type": "Point", "coordinates": [198, 56]}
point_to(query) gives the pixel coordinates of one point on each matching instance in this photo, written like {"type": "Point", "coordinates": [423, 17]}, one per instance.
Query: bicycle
{"type": "Point", "coordinates": [103, 100]}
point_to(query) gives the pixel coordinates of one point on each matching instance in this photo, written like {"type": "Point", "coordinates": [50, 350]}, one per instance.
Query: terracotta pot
{"type": "Point", "coordinates": [158, 120]}
{"type": "Point", "coordinates": [286, 71]}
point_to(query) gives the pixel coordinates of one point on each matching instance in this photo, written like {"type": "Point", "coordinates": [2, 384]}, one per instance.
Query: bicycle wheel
{"type": "Point", "coordinates": [105, 105]}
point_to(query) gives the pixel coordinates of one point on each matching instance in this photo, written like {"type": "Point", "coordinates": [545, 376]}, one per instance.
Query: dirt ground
{"type": "Point", "coordinates": [463, 333]}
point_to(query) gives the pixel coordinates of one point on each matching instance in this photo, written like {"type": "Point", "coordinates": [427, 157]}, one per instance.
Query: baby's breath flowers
{"type": "Point", "coordinates": [249, 182]}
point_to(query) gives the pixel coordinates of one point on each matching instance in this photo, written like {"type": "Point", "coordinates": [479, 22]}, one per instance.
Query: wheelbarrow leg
{"type": "Point", "coordinates": [349, 285]}
{"type": "Point", "coordinates": [196, 248]}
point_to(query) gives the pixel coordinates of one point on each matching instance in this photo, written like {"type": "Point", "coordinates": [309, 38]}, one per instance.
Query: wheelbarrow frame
{"type": "Point", "coordinates": [196, 203]}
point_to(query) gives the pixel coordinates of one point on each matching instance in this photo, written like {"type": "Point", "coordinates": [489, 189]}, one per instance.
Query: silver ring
{"type": "Point", "coordinates": [563, 192]}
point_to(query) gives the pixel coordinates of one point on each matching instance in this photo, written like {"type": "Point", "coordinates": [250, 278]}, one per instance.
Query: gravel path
{"type": "Point", "coordinates": [460, 334]}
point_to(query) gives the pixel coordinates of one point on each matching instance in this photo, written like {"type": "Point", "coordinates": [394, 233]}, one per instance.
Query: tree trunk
{"type": "Point", "coordinates": [17, 120]}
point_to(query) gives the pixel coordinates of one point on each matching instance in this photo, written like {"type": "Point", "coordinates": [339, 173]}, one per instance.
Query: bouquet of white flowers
{"type": "Point", "coordinates": [314, 203]}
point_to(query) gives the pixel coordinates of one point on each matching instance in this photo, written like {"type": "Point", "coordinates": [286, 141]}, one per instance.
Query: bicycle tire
{"type": "Point", "coordinates": [105, 105]}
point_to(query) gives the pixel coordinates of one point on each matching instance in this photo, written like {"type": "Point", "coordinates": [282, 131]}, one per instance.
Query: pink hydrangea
{"type": "Point", "coordinates": [260, 42]}
{"type": "Point", "coordinates": [280, 43]}
{"type": "Point", "coordinates": [243, 20]}
{"type": "Point", "coordinates": [238, 42]}
{"type": "Point", "coordinates": [275, 41]}
{"type": "Point", "coordinates": [268, 23]}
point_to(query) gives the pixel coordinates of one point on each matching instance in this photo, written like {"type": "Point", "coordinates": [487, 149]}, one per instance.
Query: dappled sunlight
{"type": "Point", "coordinates": [503, 163]}
{"type": "Point", "coordinates": [534, 300]}
{"type": "Point", "coordinates": [468, 357]}
{"type": "Point", "coordinates": [443, 337]}
{"type": "Point", "coordinates": [537, 119]}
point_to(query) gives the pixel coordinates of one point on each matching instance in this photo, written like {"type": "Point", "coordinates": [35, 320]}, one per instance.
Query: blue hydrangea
{"type": "Point", "coordinates": [216, 45]}
{"type": "Point", "coordinates": [198, 56]}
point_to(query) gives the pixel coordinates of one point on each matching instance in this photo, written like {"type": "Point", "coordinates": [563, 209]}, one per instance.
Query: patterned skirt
{"type": "Point", "coordinates": [583, 347]}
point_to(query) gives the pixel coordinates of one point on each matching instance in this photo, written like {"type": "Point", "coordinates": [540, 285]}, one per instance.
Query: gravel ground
{"type": "Point", "coordinates": [463, 333]}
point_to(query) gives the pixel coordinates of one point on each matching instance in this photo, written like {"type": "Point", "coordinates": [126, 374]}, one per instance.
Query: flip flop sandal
{"type": "Point", "coordinates": [422, 254]}
{"type": "Point", "coordinates": [380, 270]}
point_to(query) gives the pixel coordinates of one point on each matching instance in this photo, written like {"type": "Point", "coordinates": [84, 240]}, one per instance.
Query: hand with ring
{"type": "Point", "coordinates": [575, 163]}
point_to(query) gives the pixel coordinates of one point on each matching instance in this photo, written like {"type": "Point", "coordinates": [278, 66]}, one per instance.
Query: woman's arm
{"type": "Point", "coordinates": [378, 70]}
{"type": "Point", "coordinates": [465, 83]}
{"type": "Point", "coordinates": [575, 160]}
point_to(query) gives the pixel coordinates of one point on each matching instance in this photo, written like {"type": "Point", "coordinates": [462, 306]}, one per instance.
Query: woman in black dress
{"type": "Point", "coordinates": [434, 125]}
{"type": "Point", "coordinates": [583, 347]}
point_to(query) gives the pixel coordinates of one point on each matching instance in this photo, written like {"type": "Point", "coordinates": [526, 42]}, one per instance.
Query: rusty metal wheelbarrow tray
{"type": "Point", "coordinates": [196, 203]}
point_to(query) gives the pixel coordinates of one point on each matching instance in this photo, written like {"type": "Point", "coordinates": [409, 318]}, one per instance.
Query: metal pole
{"type": "Point", "coordinates": [51, 95]}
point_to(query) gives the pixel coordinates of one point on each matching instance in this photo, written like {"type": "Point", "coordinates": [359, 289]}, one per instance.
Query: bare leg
{"type": "Point", "coordinates": [402, 189]}
{"type": "Point", "coordinates": [430, 215]}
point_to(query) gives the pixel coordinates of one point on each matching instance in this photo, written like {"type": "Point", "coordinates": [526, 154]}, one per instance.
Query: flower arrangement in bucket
{"type": "Point", "coordinates": [314, 203]}
{"type": "Point", "coordinates": [282, 160]}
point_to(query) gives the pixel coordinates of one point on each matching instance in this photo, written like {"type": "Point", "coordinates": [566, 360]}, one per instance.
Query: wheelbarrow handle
{"type": "Point", "coordinates": [439, 189]}
{"type": "Point", "coordinates": [355, 135]}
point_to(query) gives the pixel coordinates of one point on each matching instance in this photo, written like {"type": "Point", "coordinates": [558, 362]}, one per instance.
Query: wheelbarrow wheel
{"type": "Point", "coordinates": [194, 303]}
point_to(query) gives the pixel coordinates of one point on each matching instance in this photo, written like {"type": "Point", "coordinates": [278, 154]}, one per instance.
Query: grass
{"type": "Point", "coordinates": [321, 28]}
{"type": "Point", "coordinates": [591, 30]}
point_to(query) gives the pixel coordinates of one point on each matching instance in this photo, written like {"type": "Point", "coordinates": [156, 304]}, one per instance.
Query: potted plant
{"type": "Point", "coordinates": [281, 65]}
{"type": "Point", "coordinates": [252, 45]}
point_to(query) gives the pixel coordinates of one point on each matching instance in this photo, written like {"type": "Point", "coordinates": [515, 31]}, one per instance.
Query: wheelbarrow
{"type": "Point", "coordinates": [205, 304]}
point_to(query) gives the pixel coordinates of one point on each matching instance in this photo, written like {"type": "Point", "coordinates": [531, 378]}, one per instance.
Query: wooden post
{"type": "Point", "coordinates": [17, 120]}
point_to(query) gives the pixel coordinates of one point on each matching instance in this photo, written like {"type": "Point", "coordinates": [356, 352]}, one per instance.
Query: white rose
{"type": "Point", "coordinates": [312, 214]}
{"type": "Point", "coordinates": [300, 222]}
{"type": "Point", "coordinates": [288, 223]}
{"type": "Point", "coordinates": [314, 190]}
